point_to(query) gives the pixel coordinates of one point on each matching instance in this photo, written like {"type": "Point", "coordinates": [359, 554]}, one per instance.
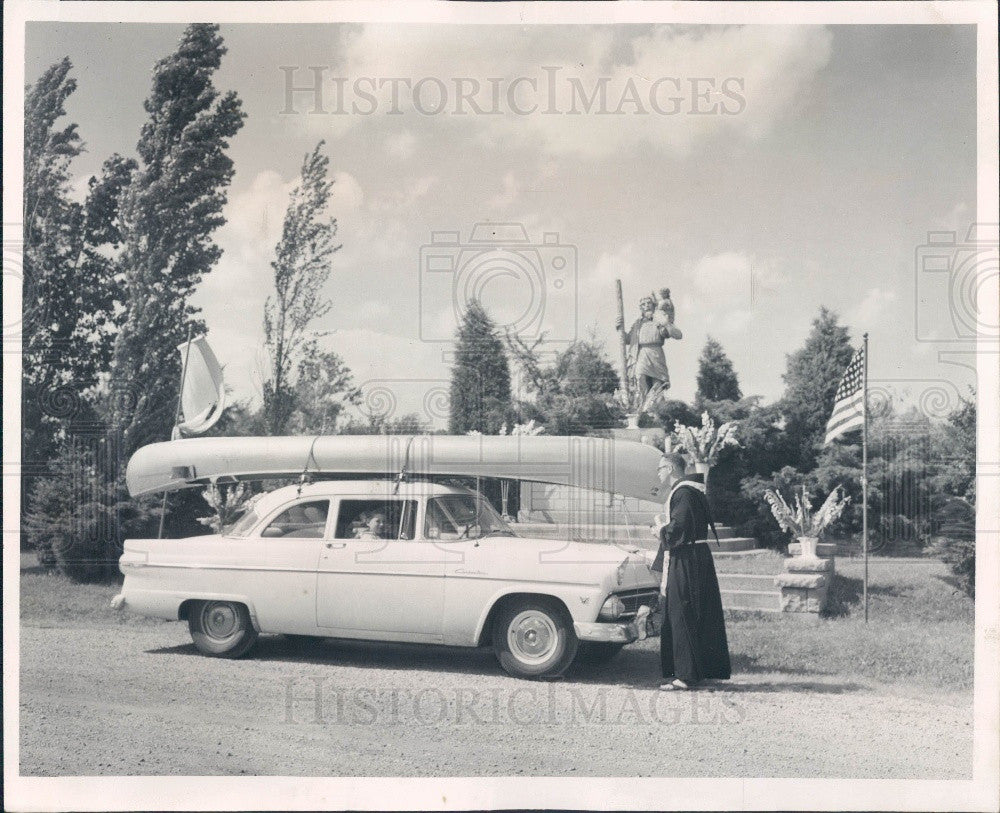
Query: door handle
{"type": "Point", "coordinates": [336, 544]}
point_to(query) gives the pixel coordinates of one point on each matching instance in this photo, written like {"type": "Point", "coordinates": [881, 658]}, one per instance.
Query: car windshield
{"type": "Point", "coordinates": [463, 516]}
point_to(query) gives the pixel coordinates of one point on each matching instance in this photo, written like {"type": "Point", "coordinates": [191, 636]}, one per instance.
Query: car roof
{"type": "Point", "coordinates": [361, 489]}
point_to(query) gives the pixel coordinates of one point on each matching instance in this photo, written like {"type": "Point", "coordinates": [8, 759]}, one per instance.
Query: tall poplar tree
{"type": "Point", "coordinates": [301, 269]}
{"type": "Point", "coordinates": [169, 211]}
{"type": "Point", "coordinates": [51, 294]}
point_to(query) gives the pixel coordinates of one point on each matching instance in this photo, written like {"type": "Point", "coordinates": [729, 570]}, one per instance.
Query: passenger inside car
{"type": "Point", "coordinates": [376, 519]}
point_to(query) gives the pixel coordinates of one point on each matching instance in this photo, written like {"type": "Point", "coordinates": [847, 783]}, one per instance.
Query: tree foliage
{"type": "Point", "coordinates": [813, 374]}
{"type": "Point", "coordinates": [143, 242]}
{"type": "Point", "coordinates": [55, 300]}
{"type": "Point", "coordinates": [572, 395]}
{"type": "Point", "coordinates": [323, 387]}
{"type": "Point", "coordinates": [301, 269]}
{"type": "Point", "coordinates": [80, 513]}
{"type": "Point", "coordinates": [169, 210]}
{"type": "Point", "coordinates": [480, 377]}
{"type": "Point", "coordinates": [717, 379]}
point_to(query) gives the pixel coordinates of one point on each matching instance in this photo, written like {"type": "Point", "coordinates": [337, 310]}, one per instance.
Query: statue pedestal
{"type": "Point", "coordinates": [805, 586]}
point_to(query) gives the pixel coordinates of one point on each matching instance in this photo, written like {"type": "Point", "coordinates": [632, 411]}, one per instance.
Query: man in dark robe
{"type": "Point", "coordinates": [693, 645]}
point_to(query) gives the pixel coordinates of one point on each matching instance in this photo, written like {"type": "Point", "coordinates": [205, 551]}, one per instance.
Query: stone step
{"type": "Point", "coordinates": [768, 601]}
{"type": "Point", "coordinates": [596, 530]}
{"type": "Point", "coordinates": [737, 555]}
{"type": "Point", "coordinates": [622, 535]}
{"type": "Point", "coordinates": [746, 581]}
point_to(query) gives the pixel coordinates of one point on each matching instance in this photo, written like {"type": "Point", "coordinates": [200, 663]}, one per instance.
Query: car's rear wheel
{"type": "Point", "coordinates": [534, 638]}
{"type": "Point", "coordinates": [222, 629]}
{"type": "Point", "coordinates": [596, 653]}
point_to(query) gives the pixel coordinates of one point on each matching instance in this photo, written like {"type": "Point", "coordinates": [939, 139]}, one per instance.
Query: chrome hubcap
{"type": "Point", "coordinates": [220, 620]}
{"type": "Point", "coordinates": [532, 637]}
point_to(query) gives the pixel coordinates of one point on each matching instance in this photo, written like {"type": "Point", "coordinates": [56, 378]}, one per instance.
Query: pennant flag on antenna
{"type": "Point", "coordinates": [203, 392]}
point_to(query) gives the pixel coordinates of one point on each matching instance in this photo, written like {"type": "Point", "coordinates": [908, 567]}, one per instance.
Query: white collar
{"type": "Point", "coordinates": [690, 483]}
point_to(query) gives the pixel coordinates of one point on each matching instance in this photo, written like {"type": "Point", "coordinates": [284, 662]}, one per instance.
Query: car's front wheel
{"type": "Point", "coordinates": [534, 638]}
{"type": "Point", "coordinates": [222, 629]}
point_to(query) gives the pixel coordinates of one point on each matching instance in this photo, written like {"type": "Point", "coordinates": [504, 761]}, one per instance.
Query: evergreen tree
{"type": "Point", "coordinates": [170, 208]}
{"type": "Point", "coordinates": [811, 381]}
{"type": "Point", "coordinates": [717, 379]}
{"type": "Point", "coordinates": [301, 269]}
{"type": "Point", "coordinates": [480, 379]}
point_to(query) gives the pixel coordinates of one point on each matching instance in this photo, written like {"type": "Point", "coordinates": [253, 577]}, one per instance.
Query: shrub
{"type": "Point", "coordinates": [955, 542]}
{"type": "Point", "coordinates": [79, 516]}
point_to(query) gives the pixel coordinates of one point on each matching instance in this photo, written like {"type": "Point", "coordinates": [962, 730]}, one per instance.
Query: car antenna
{"type": "Point", "coordinates": [305, 477]}
{"type": "Point", "coordinates": [401, 477]}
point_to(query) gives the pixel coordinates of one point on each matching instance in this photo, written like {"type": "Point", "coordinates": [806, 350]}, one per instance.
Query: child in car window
{"type": "Point", "coordinates": [374, 528]}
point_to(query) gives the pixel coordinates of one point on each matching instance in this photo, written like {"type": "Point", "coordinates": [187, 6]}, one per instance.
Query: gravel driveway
{"type": "Point", "coordinates": [141, 700]}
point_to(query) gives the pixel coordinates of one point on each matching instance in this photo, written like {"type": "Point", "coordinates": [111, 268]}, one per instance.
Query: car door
{"type": "Point", "coordinates": [381, 585]}
{"type": "Point", "coordinates": [289, 543]}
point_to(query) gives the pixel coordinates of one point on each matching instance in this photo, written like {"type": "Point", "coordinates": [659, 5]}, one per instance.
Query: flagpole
{"type": "Point", "coordinates": [864, 473]}
{"type": "Point", "coordinates": [177, 418]}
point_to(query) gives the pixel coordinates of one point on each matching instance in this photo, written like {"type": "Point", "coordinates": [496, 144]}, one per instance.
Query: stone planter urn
{"type": "Point", "coordinates": [807, 546]}
{"type": "Point", "coordinates": [702, 468]}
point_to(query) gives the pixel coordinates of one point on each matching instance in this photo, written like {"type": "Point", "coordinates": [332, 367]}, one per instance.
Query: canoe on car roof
{"type": "Point", "coordinates": [621, 467]}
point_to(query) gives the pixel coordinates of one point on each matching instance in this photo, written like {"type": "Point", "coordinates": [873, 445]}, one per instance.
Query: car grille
{"type": "Point", "coordinates": [634, 599]}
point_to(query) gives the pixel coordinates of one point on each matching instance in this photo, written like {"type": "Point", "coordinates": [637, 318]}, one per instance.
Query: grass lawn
{"type": "Point", "coordinates": [50, 600]}
{"type": "Point", "coordinates": [920, 630]}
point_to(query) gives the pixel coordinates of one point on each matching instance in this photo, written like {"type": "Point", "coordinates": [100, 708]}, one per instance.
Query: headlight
{"type": "Point", "coordinates": [612, 609]}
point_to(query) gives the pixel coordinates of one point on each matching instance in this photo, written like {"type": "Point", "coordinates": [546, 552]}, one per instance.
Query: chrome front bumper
{"type": "Point", "coordinates": [624, 633]}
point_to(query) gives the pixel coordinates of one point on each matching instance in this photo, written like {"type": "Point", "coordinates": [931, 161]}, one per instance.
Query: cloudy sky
{"type": "Point", "coordinates": [758, 172]}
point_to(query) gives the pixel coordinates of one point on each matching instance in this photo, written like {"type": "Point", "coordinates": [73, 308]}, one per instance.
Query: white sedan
{"type": "Point", "coordinates": [383, 561]}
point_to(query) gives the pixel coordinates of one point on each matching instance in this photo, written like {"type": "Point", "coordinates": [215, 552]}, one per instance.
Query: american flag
{"type": "Point", "coordinates": [848, 408]}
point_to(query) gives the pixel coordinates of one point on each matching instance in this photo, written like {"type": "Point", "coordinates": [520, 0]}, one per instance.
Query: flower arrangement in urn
{"type": "Point", "coordinates": [801, 522]}
{"type": "Point", "coordinates": [703, 444]}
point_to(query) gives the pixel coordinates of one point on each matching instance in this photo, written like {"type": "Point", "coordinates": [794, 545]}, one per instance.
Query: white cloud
{"type": "Point", "coordinates": [748, 78]}
{"type": "Point", "coordinates": [401, 145]}
{"type": "Point", "coordinates": [509, 194]}
{"type": "Point", "coordinates": [872, 308]}
{"type": "Point", "coordinates": [347, 193]}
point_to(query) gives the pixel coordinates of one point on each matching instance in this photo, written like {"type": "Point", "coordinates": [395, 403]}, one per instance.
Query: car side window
{"type": "Point", "coordinates": [437, 523]}
{"type": "Point", "coordinates": [376, 519]}
{"type": "Point", "coordinates": [304, 520]}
